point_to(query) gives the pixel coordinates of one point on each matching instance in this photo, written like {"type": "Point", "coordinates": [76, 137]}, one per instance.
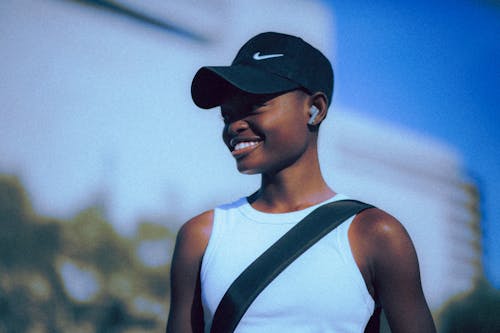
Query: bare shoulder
{"type": "Point", "coordinates": [376, 239]}
{"type": "Point", "coordinates": [198, 226]}
{"type": "Point", "coordinates": [379, 230]}
{"type": "Point", "coordinates": [186, 314]}
{"type": "Point", "coordinates": [193, 236]}
{"type": "Point", "coordinates": [388, 261]}
{"type": "Point", "coordinates": [390, 266]}
{"type": "Point", "coordinates": [381, 245]}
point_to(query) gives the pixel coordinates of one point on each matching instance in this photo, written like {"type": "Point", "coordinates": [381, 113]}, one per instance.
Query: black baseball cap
{"type": "Point", "coordinates": [268, 63]}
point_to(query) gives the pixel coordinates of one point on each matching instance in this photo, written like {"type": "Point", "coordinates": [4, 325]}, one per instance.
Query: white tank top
{"type": "Point", "coordinates": [321, 291]}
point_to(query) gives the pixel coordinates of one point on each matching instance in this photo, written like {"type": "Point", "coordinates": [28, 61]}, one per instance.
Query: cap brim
{"type": "Point", "coordinates": [212, 85]}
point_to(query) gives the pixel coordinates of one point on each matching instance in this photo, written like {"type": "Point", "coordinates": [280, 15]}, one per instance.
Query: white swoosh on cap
{"type": "Point", "coordinates": [257, 56]}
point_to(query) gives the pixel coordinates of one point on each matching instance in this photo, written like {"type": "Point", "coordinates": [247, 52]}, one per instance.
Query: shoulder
{"type": "Point", "coordinates": [199, 226]}
{"type": "Point", "coordinates": [193, 236]}
{"type": "Point", "coordinates": [379, 230]}
{"type": "Point", "coordinates": [391, 270]}
{"type": "Point", "coordinates": [186, 312]}
{"type": "Point", "coordinates": [381, 244]}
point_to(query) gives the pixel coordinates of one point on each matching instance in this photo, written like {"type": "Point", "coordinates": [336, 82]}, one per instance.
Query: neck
{"type": "Point", "coordinates": [293, 188]}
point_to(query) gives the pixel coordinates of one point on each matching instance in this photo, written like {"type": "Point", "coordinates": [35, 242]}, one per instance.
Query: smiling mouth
{"type": "Point", "coordinates": [242, 147]}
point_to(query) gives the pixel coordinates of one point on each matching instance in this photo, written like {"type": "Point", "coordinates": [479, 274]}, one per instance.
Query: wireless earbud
{"type": "Point", "coordinates": [314, 114]}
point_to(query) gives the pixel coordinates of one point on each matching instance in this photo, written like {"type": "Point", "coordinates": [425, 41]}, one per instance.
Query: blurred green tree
{"type": "Point", "coordinates": [76, 275]}
{"type": "Point", "coordinates": [477, 311]}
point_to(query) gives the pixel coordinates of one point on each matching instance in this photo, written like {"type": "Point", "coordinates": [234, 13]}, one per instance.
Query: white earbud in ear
{"type": "Point", "coordinates": [314, 114]}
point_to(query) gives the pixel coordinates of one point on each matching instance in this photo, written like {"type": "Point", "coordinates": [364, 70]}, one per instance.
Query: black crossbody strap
{"type": "Point", "coordinates": [274, 260]}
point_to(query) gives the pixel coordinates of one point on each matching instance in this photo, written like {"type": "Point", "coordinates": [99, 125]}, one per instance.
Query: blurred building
{"type": "Point", "coordinates": [420, 181]}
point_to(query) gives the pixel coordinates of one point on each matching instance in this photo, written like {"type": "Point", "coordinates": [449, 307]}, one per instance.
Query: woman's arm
{"type": "Point", "coordinates": [186, 313]}
{"type": "Point", "coordinates": [394, 273]}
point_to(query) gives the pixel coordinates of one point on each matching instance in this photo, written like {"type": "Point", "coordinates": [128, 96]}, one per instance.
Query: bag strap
{"type": "Point", "coordinates": [275, 259]}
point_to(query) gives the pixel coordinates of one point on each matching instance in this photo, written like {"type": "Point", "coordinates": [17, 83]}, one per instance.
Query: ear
{"type": "Point", "coordinates": [320, 101]}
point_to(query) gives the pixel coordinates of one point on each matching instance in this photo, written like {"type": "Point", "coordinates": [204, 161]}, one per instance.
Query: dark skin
{"type": "Point", "coordinates": [269, 135]}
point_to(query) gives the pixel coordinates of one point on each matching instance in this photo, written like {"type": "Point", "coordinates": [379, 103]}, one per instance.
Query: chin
{"type": "Point", "coordinates": [248, 170]}
{"type": "Point", "coordinates": [259, 167]}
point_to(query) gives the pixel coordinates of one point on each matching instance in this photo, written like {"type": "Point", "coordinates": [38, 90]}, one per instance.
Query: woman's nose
{"type": "Point", "coordinates": [237, 126]}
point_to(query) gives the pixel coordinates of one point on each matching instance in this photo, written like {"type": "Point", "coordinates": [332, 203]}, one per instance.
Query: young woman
{"type": "Point", "coordinates": [273, 99]}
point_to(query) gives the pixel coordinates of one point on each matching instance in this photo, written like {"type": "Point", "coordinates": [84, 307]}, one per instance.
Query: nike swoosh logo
{"type": "Point", "coordinates": [258, 56]}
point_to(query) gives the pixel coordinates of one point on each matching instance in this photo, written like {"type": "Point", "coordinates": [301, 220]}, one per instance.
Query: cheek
{"type": "Point", "coordinates": [290, 131]}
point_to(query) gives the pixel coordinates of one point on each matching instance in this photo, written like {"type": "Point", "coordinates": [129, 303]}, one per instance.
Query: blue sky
{"type": "Point", "coordinates": [431, 67]}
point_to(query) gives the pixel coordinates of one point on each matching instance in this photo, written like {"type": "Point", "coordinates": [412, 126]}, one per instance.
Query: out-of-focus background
{"type": "Point", "coordinates": [103, 155]}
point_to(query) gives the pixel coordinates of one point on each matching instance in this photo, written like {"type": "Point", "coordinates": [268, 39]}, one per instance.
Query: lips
{"type": "Point", "coordinates": [242, 146]}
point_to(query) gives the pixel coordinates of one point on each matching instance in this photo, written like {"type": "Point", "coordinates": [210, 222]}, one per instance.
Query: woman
{"type": "Point", "coordinates": [273, 99]}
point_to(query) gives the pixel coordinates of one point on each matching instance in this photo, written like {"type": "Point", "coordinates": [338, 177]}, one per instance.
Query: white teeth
{"type": "Point", "coordinates": [242, 145]}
